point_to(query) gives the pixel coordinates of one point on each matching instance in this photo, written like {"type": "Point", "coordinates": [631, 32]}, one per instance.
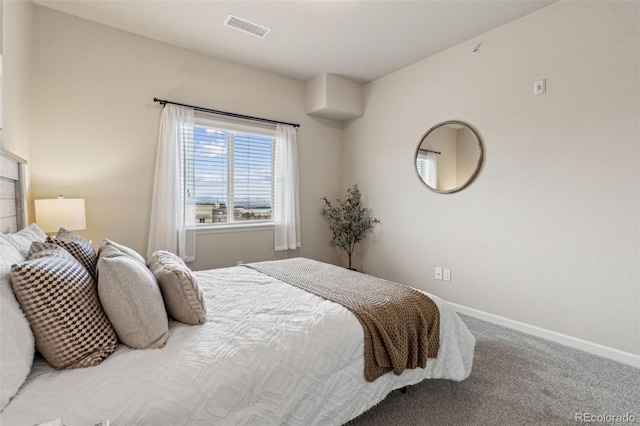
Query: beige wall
{"type": "Point", "coordinates": [548, 234]}
{"type": "Point", "coordinates": [95, 131]}
{"type": "Point", "coordinates": [17, 56]}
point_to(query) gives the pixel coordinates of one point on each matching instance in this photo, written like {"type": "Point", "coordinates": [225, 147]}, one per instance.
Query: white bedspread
{"type": "Point", "coordinates": [268, 354]}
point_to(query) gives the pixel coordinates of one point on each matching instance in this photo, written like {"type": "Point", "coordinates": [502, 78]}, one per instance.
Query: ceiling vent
{"type": "Point", "coordinates": [246, 26]}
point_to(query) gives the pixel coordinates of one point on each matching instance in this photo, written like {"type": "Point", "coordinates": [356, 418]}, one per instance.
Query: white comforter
{"type": "Point", "coordinates": [268, 354]}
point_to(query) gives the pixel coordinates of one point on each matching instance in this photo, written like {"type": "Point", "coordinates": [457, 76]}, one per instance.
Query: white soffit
{"type": "Point", "coordinates": [331, 96]}
{"type": "Point", "coordinates": [358, 40]}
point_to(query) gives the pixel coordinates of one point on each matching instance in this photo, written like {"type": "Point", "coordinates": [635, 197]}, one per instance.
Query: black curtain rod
{"type": "Point", "coordinates": [228, 114]}
{"type": "Point", "coordinates": [428, 150]}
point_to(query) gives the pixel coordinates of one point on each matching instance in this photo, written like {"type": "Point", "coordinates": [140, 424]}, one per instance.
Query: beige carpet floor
{"type": "Point", "coordinates": [518, 379]}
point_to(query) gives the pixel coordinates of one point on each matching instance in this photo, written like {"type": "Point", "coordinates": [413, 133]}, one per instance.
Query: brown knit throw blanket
{"type": "Point", "coordinates": [401, 325]}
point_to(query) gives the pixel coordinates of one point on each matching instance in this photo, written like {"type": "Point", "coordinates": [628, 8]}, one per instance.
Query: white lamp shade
{"type": "Point", "coordinates": [68, 213]}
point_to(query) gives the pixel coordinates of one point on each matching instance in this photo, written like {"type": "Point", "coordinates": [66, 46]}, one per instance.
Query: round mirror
{"type": "Point", "coordinates": [449, 157]}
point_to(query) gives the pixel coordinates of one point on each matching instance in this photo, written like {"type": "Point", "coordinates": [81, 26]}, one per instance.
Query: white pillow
{"type": "Point", "coordinates": [132, 300]}
{"type": "Point", "coordinates": [22, 239]}
{"type": "Point", "coordinates": [182, 296]}
{"type": "Point", "coordinates": [17, 345]}
{"type": "Point", "coordinates": [124, 249]}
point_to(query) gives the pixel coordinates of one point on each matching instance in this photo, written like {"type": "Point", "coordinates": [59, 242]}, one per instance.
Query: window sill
{"type": "Point", "coordinates": [218, 229]}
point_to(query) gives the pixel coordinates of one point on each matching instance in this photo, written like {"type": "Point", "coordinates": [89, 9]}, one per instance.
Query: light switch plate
{"type": "Point", "coordinates": [539, 87]}
{"type": "Point", "coordinates": [438, 273]}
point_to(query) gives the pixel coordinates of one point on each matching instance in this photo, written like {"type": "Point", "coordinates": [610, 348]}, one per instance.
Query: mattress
{"type": "Point", "coordinates": [269, 354]}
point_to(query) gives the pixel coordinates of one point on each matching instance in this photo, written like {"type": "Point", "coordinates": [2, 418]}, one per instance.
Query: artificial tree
{"type": "Point", "coordinates": [349, 221]}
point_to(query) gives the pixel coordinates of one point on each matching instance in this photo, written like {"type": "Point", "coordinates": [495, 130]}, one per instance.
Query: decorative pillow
{"type": "Point", "coordinates": [16, 339]}
{"type": "Point", "coordinates": [132, 300]}
{"type": "Point", "coordinates": [124, 249]}
{"type": "Point", "coordinates": [60, 301]}
{"type": "Point", "coordinates": [39, 250]}
{"type": "Point", "coordinates": [79, 248]}
{"type": "Point", "coordinates": [182, 296]}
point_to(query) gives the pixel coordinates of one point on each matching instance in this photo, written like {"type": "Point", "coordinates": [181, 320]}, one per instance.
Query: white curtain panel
{"type": "Point", "coordinates": [173, 205]}
{"type": "Point", "coordinates": [286, 208]}
{"type": "Point", "coordinates": [428, 168]}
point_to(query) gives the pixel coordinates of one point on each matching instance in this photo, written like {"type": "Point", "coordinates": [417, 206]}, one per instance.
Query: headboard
{"type": "Point", "coordinates": [13, 208]}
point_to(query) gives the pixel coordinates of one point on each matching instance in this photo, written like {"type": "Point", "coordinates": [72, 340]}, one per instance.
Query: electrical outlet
{"type": "Point", "coordinates": [240, 262]}
{"type": "Point", "coordinates": [438, 273]}
{"type": "Point", "coordinates": [447, 274]}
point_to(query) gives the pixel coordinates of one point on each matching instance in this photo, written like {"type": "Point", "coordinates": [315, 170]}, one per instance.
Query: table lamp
{"type": "Point", "coordinates": [68, 213]}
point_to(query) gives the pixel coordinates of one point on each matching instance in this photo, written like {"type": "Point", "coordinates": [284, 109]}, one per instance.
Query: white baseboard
{"type": "Point", "coordinates": [574, 342]}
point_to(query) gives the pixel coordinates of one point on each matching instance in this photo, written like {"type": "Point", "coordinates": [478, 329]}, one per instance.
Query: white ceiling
{"type": "Point", "coordinates": [358, 40]}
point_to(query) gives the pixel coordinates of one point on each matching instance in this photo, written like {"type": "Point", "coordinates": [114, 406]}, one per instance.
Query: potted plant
{"type": "Point", "coordinates": [349, 221]}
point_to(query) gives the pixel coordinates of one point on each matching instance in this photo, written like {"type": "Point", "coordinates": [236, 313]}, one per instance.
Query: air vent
{"type": "Point", "coordinates": [246, 26]}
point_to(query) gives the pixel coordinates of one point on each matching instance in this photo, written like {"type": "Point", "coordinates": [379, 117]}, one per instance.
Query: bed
{"type": "Point", "coordinates": [268, 353]}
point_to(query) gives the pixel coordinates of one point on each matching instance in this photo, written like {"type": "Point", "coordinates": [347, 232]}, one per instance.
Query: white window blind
{"type": "Point", "coordinates": [233, 171]}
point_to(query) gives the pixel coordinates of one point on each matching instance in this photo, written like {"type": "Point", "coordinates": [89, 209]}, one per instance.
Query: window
{"type": "Point", "coordinates": [427, 166]}
{"type": "Point", "coordinates": [233, 173]}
